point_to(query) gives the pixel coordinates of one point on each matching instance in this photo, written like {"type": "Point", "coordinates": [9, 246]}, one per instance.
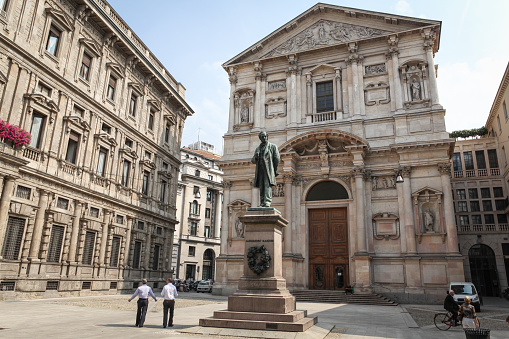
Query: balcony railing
{"type": "Point", "coordinates": [477, 173]}
{"type": "Point", "coordinates": [32, 153]}
{"type": "Point", "coordinates": [325, 116]}
{"type": "Point", "coordinates": [477, 228]}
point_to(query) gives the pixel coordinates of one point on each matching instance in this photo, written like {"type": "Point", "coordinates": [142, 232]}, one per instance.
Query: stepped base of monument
{"type": "Point", "coordinates": [261, 303]}
{"type": "Point", "coordinates": [296, 321]}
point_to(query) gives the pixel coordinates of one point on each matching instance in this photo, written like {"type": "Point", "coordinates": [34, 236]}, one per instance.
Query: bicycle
{"type": "Point", "coordinates": [444, 321]}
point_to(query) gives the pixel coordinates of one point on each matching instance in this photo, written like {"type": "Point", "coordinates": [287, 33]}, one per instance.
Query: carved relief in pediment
{"type": "Point", "coordinates": [324, 33]}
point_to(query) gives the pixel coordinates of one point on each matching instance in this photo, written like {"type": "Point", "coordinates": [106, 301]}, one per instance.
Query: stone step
{"type": "Point", "coordinates": [270, 317]}
{"type": "Point", "coordinates": [341, 297]}
{"type": "Point", "coordinates": [298, 326]}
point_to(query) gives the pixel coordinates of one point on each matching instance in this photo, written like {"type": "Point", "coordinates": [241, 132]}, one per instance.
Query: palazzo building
{"type": "Point", "coordinates": [350, 98]}
{"type": "Point", "coordinates": [90, 205]}
{"type": "Point", "coordinates": [199, 207]}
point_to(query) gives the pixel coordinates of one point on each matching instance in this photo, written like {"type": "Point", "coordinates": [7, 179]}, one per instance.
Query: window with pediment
{"type": "Point", "coordinates": [112, 82]}
{"type": "Point", "coordinates": [4, 10]}
{"type": "Point", "coordinates": [37, 129]}
{"type": "Point", "coordinates": [73, 143]}
{"type": "Point", "coordinates": [55, 35]}
{"type": "Point", "coordinates": [134, 94]}
{"type": "Point", "coordinates": [323, 94]}
{"type": "Point", "coordinates": [104, 146]}
{"type": "Point", "coordinates": [153, 108]}
{"type": "Point", "coordinates": [88, 54]}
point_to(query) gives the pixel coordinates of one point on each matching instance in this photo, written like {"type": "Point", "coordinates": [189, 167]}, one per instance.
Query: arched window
{"type": "Point", "coordinates": [194, 207]}
{"type": "Point", "coordinates": [327, 190]}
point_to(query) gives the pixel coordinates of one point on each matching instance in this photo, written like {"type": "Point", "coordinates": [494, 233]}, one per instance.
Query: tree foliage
{"type": "Point", "coordinates": [469, 133]}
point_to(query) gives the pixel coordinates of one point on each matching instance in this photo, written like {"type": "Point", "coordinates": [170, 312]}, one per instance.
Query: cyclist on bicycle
{"type": "Point", "coordinates": [451, 306]}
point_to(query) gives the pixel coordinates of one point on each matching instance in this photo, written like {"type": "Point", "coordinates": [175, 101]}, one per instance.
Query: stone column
{"type": "Point", "coordinates": [233, 85]}
{"type": "Point", "coordinates": [254, 194]}
{"type": "Point", "coordinates": [10, 88]}
{"type": "Point", "coordinates": [46, 234]}
{"type": "Point", "coordinates": [409, 218]}
{"type": "Point", "coordinates": [359, 198]}
{"type": "Point", "coordinates": [78, 206]}
{"type": "Point", "coordinates": [225, 229]}
{"type": "Point", "coordinates": [38, 226]}
{"type": "Point", "coordinates": [104, 237]}
{"type": "Point", "coordinates": [124, 255]}
{"type": "Point", "coordinates": [257, 112]}
{"type": "Point", "coordinates": [450, 226]}
{"type": "Point", "coordinates": [401, 210]}
{"type": "Point", "coordinates": [309, 94]}
{"type": "Point", "coordinates": [292, 90]}
{"type": "Point", "coordinates": [339, 92]}
{"type": "Point", "coordinates": [166, 266]}
{"type": "Point", "coordinates": [360, 94]}
{"type": "Point", "coordinates": [148, 242]}
{"type": "Point", "coordinates": [393, 53]}
{"type": "Point", "coordinates": [5, 203]}
{"type": "Point", "coordinates": [217, 222]}
{"type": "Point", "coordinates": [428, 47]}
{"type": "Point", "coordinates": [355, 89]}
{"type": "Point", "coordinates": [288, 179]}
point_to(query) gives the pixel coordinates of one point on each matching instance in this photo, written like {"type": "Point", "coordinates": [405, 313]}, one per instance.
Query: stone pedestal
{"type": "Point", "coordinates": [262, 301]}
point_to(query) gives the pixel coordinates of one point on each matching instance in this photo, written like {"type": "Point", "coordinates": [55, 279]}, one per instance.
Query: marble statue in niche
{"type": "Point", "coordinates": [239, 228]}
{"type": "Point", "coordinates": [416, 89]}
{"type": "Point", "coordinates": [429, 220]}
{"type": "Point", "coordinates": [244, 114]}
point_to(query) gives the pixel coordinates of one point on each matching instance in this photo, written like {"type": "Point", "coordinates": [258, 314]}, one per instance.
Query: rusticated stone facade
{"type": "Point", "coordinates": [350, 98]}
{"type": "Point", "coordinates": [89, 206]}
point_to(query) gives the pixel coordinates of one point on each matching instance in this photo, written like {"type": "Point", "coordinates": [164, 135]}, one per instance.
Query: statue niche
{"type": "Point", "coordinates": [428, 213]}
{"type": "Point", "coordinates": [415, 84]}
{"type": "Point", "coordinates": [244, 108]}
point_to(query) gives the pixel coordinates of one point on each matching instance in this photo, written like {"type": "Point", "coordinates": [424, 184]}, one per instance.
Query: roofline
{"type": "Point", "coordinates": [498, 97]}
{"type": "Point", "coordinates": [319, 6]}
{"type": "Point", "coordinates": [186, 149]}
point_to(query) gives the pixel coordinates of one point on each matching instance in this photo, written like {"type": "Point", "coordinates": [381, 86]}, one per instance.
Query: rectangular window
{"type": "Point", "coordinates": [207, 213]}
{"type": "Point", "coordinates": [462, 206]}
{"type": "Point", "coordinates": [53, 40]}
{"type": "Point", "coordinates": [125, 173]}
{"type": "Point", "coordinates": [86, 61]}
{"type": "Point", "coordinates": [499, 124]}
{"type": "Point", "coordinates": [502, 218]}
{"type": "Point", "coordinates": [167, 133]}
{"type": "Point", "coordinates": [498, 192]}
{"type": "Point", "coordinates": [94, 212]}
{"type": "Point", "coordinates": [146, 177]}
{"type": "Point", "coordinates": [492, 158]}
{"type": "Point", "coordinates": [137, 254]}
{"type": "Point", "coordinates": [474, 206]}
{"type": "Point", "coordinates": [165, 166]}
{"type": "Point", "coordinates": [63, 203]}
{"type": "Point", "coordinates": [36, 129]}
{"type": "Point", "coordinates": [23, 192]}
{"type": "Point", "coordinates": [155, 263]}
{"type": "Point", "coordinates": [132, 105]}
{"type": "Point", "coordinates": [481, 159]}
{"type": "Point", "coordinates": [194, 227]}
{"type": "Point", "coordinates": [207, 232]}
{"type": "Point", "coordinates": [111, 88]}
{"type": "Point", "coordinates": [141, 225]}
{"type": "Point", "coordinates": [505, 110]}
{"type": "Point", "coordinates": [129, 143]}
{"type": "Point", "coordinates": [13, 238]}
{"type": "Point", "coordinates": [106, 128]}
{"type": "Point", "coordinates": [72, 147]}
{"type": "Point", "coordinates": [55, 243]}
{"type": "Point", "coordinates": [211, 177]}
{"type": "Point", "coordinates": [86, 285]}
{"type": "Point", "coordinates": [120, 219]}
{"type": "Point", "coordinates": [78, 111]}
{"type": "Point", "coordinates": [489, 219]}
{"type": "Point", "coordinates": [43, 89]}
{"type": "Point", "coordinates": [159, 231]}
{"type": "Point", "coordinates": [151, 120]}
{"type": "Point", "coordinates": [113, 285]}
{"type": "Point", "coordinates": [472, 193]}
{"type": "Point", "coordinates": [486, 205]}
{"type": "Point", "coordinates": [163, 190]}
{"type": "Point", "coordinates": [456, 162]}
{"type": "Point", "coordinates": [101, 162]}
{"type": "Point", "coordinates": [148, 155]}
{"type": "Point", "coordinates": [192, 251]}
{"type": "Point", "coordinates": [485, 192]}
{"type": "Point", "coordinates": [500, 204]}
{"type": "Point", "coordinates": [52, 285]}
{"type": "Point", "coordinates": [209, 195]}
{"type": "Point", "coordinates": [464, 220]}
{"type": "Point", "coordinates": [460, 194]}
{"type": "Point", "coordinates": [88, 248]}
{"type": "Point", "coordinates": [324, 97]}
{"type": "Point", "coordinates": [476, 220]}
{"type": "Point", "coordinates": [3, 7]}
{"type": "Point", "coordinates": [469, 161]}
{"type": "Point", "coordinates": [115, 250]}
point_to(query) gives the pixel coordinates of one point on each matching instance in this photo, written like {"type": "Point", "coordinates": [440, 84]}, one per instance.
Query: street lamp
{"type": "Point", "coordinates": [399, 177]}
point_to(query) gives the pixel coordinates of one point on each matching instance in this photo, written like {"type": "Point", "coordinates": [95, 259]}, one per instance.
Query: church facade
{"type": "Point", "coordinates": [350, 98]}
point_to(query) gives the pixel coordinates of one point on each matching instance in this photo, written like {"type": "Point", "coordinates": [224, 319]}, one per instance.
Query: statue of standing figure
{"type": "Point", "coordinates": [416, 89]}
{"type": "Point", "coordinates": [429, 220]}
{"type": "Point", "coordinates": [266, 158]}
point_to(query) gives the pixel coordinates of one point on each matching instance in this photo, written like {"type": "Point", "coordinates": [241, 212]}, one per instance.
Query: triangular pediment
{"type": "Point", "coordinates": [62, 18]}
{"type": "Point", "coordinates": [322, 68]}
{"type": "Point", "coordinates": [91, 46]}
{"type": "Point", "coordinates": [326, 25]}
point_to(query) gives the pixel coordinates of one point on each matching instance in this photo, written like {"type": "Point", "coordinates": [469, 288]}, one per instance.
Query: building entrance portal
{"type": "Point", "coordinates": [328, 249]}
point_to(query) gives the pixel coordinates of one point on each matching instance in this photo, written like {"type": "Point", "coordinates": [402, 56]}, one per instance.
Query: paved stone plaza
{"type": "Point", "coordinates": [113, 316]}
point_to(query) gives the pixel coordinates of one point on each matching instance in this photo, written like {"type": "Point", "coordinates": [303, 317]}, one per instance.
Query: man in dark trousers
{"type": "Point", "coordinates": [169, 294]}
{"type": "Point", "coordinates": [266, 158]}
{"type": "Point", "coordinates": [142, 292]}
{"type": "Point", "coordinates": [451, 306]}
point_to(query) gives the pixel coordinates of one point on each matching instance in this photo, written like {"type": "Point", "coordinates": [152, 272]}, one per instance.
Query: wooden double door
{"type": "Point", "coordinates": [328, 249]}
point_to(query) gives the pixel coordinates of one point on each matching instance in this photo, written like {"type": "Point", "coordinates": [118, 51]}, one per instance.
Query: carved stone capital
{"type": "Point", "coordinates": [406, 171]}
{"type": "Point", "coordinates": [358, 172]}
{"type": "Point", "coordinates": [288, 177]}
{"type": "Point", "coordinates": [367, 175]}
{"type": "Point", "coordinates": [444, 168]}
{"type": "Point", "coordinates": [226, 184]}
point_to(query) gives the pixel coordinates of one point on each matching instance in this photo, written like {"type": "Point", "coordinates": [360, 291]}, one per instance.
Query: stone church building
{"type": "Point", "coordinates": [350, 98]}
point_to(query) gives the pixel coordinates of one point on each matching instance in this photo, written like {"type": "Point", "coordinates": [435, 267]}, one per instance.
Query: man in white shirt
{"type": "Point", "coordinates": [169, 293]}
{"type": "Point", "coordinates": [142, 292]}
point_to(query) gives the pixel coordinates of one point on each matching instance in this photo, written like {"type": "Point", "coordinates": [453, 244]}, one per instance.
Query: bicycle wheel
{"type": "Point", "coordinates": [443, 321]}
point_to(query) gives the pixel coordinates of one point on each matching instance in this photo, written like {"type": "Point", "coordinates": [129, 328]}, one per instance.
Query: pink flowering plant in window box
{"type": "Point", "coordinates": [14, 135]}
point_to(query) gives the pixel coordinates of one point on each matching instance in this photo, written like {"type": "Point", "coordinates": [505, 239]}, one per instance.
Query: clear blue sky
{"type": "Point", "coordinates": [193, 38]}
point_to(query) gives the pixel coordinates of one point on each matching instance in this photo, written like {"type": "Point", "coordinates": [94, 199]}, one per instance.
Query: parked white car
{"type": "Point", "coordinates": [463, 289]}
{"type": "Point", "coordinates": [204, 286]}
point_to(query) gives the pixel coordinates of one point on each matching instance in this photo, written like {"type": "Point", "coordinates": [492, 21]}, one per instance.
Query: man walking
{"type": "Point", "coordinates": [142, 292]}
{"type": "Point", "coordinates": [169, 293]}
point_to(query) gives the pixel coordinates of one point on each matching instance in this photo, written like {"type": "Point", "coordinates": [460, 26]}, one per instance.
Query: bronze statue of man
{"type": "Point", "coordinates": [266, 158]}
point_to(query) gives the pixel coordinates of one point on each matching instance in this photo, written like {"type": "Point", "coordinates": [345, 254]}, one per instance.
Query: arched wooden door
{"type": "Point", "coordinates": [328, 249]}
